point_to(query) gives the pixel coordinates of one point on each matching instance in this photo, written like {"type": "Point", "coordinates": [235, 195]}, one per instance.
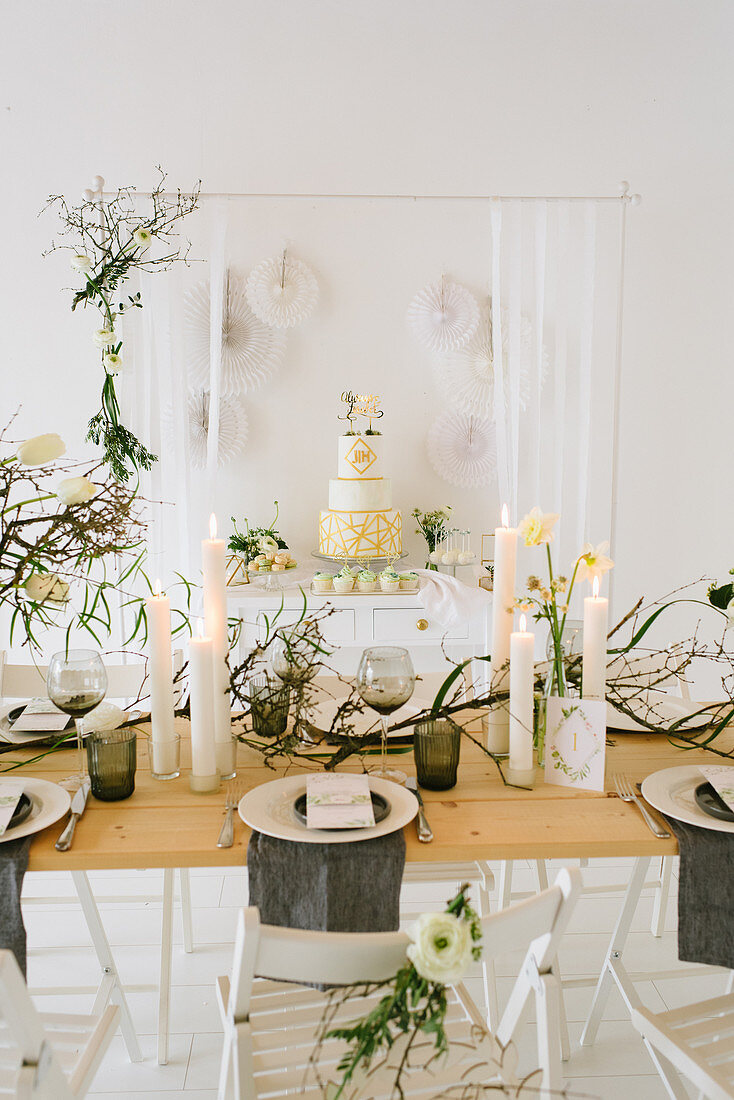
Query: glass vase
{"type": "Point", "coordinates": [556, 680]}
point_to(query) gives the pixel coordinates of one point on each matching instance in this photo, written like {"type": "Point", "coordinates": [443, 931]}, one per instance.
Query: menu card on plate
{"type": "Point", "coordinates": [40, 716]}
{"type": "Point", "coordinates": [338, 802]}
{"type": "Point", "coordinates": [10, 792]}
{"type": "Point", "coordinates": [721, 779]}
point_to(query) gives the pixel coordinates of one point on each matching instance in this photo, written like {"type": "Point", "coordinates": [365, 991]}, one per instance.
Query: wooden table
{"type": "Point", "coordinates": [164, 825]}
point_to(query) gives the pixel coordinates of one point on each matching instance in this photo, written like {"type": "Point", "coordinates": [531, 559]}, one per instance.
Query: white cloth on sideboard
{"type": "Point", "coordinates": [449, 601]}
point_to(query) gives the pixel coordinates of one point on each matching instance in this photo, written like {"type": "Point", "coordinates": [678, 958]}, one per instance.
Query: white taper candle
{"type": "Point", "coordinates": [204, 774]}
{"type": "Point", "coordinates": [160, 667]}
{"type": "Point", "coordinates": [594, 669]}
{"type": "Point", "coordinates": [505, 554]}
{"type": "Point", "coordinates": [522, 667]}
{"type": "Point", "coordinates": [215, 624]}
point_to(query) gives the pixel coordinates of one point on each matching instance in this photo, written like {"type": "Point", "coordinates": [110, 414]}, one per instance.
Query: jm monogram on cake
{"type": "Point", "coordinates": [360, 522]}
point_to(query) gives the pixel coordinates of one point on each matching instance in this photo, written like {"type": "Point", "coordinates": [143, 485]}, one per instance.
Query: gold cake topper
{"type": "Point", "coordinates": [361, 404]}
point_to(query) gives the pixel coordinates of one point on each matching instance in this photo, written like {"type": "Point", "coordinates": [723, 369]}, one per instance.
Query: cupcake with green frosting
{"type": "Point", "coordinates": [366, 580]}
{"type": "Point", "coordinates": [409, 582]}
{"type": "Point", "coordinates": [389, 580]}
{"type": "Point", "coordinates": [322, 582]}
{"type": "Point", "coordinates": [344, 580]}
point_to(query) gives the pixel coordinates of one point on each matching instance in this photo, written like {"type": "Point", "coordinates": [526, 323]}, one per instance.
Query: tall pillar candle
{"type": "Point", "coordinates": [505, 554]}
{"type": "Point", "coordinates": [594, 668]}
{"type": "Point", "coordinates": [522, 676]}
{"type": "Point", "coordinates": [204, 774]}
{"type": "Point", "coordinates": [215, 625]}
{"type": "Point", "coordinates": [160, 677]}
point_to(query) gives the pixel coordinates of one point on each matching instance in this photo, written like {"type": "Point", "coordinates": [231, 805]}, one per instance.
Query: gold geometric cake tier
{"type": "Point", "coordinates": [360, 534]}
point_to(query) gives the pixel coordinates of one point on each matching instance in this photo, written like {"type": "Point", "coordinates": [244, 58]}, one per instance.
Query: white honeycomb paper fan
{"type": "Point", "coordinates": [444, 316]}
{"type": "Point", "coordinates": [233, 427]}
{"type": "Point", "coordinates": [462, 449]}
{"type": "Point", "coordinates": [282, 292]}
{"type": "Point", "coordinates": [466, 377]}
{"type": "Point", "coordinates": [251, 350]}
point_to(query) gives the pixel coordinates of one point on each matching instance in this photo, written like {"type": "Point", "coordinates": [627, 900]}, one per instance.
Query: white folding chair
{"type": "Point", "coordinates": [270, 1024]}
{"type": "Point", "coordinates": [696, 1041]}
{"type": "Point", "coordinates": [124, 683]}
{"type": "Point", "coordinates": [51, 1056]}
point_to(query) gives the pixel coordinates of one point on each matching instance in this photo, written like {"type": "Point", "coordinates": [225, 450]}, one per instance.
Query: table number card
{"type": "Point", "coordinates": [338, 802]}
{"type": "Point", "coordinates": [721, 778]}
{"type": "Point", "coordinates": [575, 743]}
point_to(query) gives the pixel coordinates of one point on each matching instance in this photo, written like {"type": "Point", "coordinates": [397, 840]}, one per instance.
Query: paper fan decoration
{"type": "Point", "coordinates": [282, 292]}
{"type": "Point", "coordinates": [466, 377]}
{"type": "Point", "coordinates": [444, 316]}
{"type": "Point", "coordinates": [251, 351]}
{"type": "Point", "coordinates": [463, 449]}
{"type": "Point", "coordinates": [233, 427]}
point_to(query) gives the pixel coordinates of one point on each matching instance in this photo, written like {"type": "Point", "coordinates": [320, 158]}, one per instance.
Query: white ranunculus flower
{"type": "Point", "coordinates": [46, 586]}
{"type": "Point", "coordinates": [81, 262]}
{"type": "Point", "coordinates": [76, 490]}
{"type": "Point", "coordinates": [106, 716]}
{"type": "Point", "coordinates": [41, 449]}
{"type": "Point", "coordinates": [441, 950]}
{"type": "Point", "coordinates": [112, 363]}
{"type": "Point", "coordinates": [268, 545]}
{"type": "Point", "coordinates": [142, 237]}
{"type": "Point", "coordinates": [102, 337]}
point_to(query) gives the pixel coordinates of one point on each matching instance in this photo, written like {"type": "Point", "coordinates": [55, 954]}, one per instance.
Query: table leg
{"type": "Point", "coordinates": [613, 969]}
{"type": "Point", "coordinates": [164, 988]}
{"type": "Point", "coordinates": [184, 880]}
{"type": "Point", "coordinates": [110, 988]}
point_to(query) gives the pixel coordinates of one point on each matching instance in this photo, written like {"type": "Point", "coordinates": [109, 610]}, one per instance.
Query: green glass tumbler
{"type": "Point", "coordinates": [269, 703]}
{"type": "Point", "coordinates": [111, 760]}
{"type": "Point", "coordinates": [436, 746]}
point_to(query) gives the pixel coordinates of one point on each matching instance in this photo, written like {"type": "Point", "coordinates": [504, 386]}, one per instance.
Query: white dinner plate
{"type": "Point", "coordinates": [33, 737]}
{"type": "Point", "coordinates": [269, 809]}
{"type": "Point", "coordinates": [665, 709]}
{"type": "Point", "coordinates": [50, 803]}
{"type": "Point", "coordinates": [672, 792]}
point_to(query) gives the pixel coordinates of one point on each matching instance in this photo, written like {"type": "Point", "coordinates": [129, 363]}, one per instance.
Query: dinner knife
{"type": "Point", "coordinates": [425, 833]}
{"type": "Point", "coordinates": [78, 804]}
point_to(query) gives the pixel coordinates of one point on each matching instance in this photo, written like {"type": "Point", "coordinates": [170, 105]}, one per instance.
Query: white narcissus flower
{"type": "Point", "coordinates": [76, 490]}
{"type": "Point", "coordinates": [112, 362]}
{"type": "Point", "coordinates": [106, 716]}
{"type": "Point", "coordinates": [46, 586]}
{"type": "Point", "coordinates": [593, 561]}
{"type": "Point", "coordinates": [81, 262]}
{"type": "Point", "coordinates": [537, 527]}
{"type": "Point", "coordinates": [41, 449]}
{"type": "Point", "coordinates": [103, 337]}
{"type": "Point", "coordinates": [441, 950]}
{"type": "Point", "coordinates": [142, 237]}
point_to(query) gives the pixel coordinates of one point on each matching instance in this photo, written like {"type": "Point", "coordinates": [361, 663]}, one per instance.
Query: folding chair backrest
{"type": "Point", "coordinates": [28, 1066]}
{"type": "Point", "coordinates": [29, 681]}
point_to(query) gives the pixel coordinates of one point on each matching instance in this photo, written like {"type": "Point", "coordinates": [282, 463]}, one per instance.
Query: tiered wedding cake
{"type": "Point", "coordinates": [360, 521]}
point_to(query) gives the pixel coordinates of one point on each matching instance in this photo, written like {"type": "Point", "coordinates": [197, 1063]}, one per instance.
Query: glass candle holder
{"type": "Point", "coordinates": [436, 746]}
{"type": "Point", "coordinates": [111, 759]}
{"type": "Point", "coordinates": [165, 758]}
{"type": "Point", "coordinates": [269, 702]}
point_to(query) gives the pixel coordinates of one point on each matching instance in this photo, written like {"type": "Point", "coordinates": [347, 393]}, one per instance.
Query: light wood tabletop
{"type": "Point", "coordinates": [163, 824]}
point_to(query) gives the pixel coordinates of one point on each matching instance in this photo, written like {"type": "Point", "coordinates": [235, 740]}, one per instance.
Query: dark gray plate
{"type": "Point", "coordinates": [380, 806]}
{"type": "Point", "coordinates": [712, 803]}
{"type": "Point", "coordinates": [22, 811]}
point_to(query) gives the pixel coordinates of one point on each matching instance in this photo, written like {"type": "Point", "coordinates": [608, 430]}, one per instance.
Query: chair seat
{"type": "Point", "coordinates": [698, 1040]}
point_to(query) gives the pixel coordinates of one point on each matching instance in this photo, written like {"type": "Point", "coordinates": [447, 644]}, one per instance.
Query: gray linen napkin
{"type": "Point", "coordinates": [13, 864]}
{"type": "Point", "coordinates": [705, 895]}
{"type": "Point", "coordinates": [351, 887]}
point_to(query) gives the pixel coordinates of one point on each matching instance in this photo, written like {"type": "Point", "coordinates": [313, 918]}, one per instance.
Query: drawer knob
{"type": "Point", "coordinates": [422, 624]}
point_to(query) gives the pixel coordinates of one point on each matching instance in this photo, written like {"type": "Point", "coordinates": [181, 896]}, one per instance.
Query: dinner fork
{"type": "Point", "coordinates": [226, 836]}
{"type": "Point", "coordinates": [627, 794]}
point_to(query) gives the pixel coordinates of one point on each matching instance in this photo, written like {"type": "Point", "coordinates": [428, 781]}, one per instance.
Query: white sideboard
{"type": "Point", "coordinates": [365, 619]}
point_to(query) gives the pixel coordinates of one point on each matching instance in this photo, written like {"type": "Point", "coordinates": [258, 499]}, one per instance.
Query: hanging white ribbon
{"type": "Point", "coordinates": [514, 363]}
{"type": "Point", "coordinates": [561, 356]}
{"type": "Point", "coordinates": [500, 410]}
{"type": "Point", "coordinates": [585, 367]}
{"type": "Point", "coordinates": [217, 276]}
{"type": "Point", "coordinates": [540, 246]}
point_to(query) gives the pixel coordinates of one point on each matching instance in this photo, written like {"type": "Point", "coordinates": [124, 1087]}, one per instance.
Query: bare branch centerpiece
{"type": "Point", "coordinates": [109, 241]}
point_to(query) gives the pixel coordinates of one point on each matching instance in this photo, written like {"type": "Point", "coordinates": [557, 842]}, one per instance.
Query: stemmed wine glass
{"type": "Point", "coordinates": [385, 680]}
{"type": "Point", "coordinates": [76, 682]}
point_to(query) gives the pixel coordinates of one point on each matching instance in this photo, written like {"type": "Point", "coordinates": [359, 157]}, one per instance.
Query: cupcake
{"type": "Point", "coordinates": [322, 582]}
{"type": "Point", "coordinates": [366, 580]}
{"type": "Point", "coordinates": [389, 580]}
{"type": "Point", "coordinates": [344, 581]}
{"type": "Point", "coordinates": [409, 582]}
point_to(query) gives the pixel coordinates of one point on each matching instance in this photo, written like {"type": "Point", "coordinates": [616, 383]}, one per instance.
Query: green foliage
{"type": "Point", "coordinates": [721, 595]}
{"type": "Point", "coordinates": [247, 542]}
{"type": "Point", "coordinates": [433, 525]}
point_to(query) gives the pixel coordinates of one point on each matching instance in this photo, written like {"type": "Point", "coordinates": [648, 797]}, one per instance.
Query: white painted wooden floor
{"type": "Point", "coordinates": [616, 1067]}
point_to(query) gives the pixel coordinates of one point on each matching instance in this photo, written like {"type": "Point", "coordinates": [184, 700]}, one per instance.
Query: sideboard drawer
{"type": "Point", "coordinates": [338, 628]}
{"type": "Point", "coordinates": [403, 623]}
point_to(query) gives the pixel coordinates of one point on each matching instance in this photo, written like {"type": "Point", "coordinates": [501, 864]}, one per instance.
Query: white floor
{"type": "Point", "coordinates": [617, 1066]}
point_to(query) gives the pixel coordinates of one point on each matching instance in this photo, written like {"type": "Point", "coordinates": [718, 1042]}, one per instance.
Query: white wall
{"type": "Point", "coordinates": [447, 96]}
